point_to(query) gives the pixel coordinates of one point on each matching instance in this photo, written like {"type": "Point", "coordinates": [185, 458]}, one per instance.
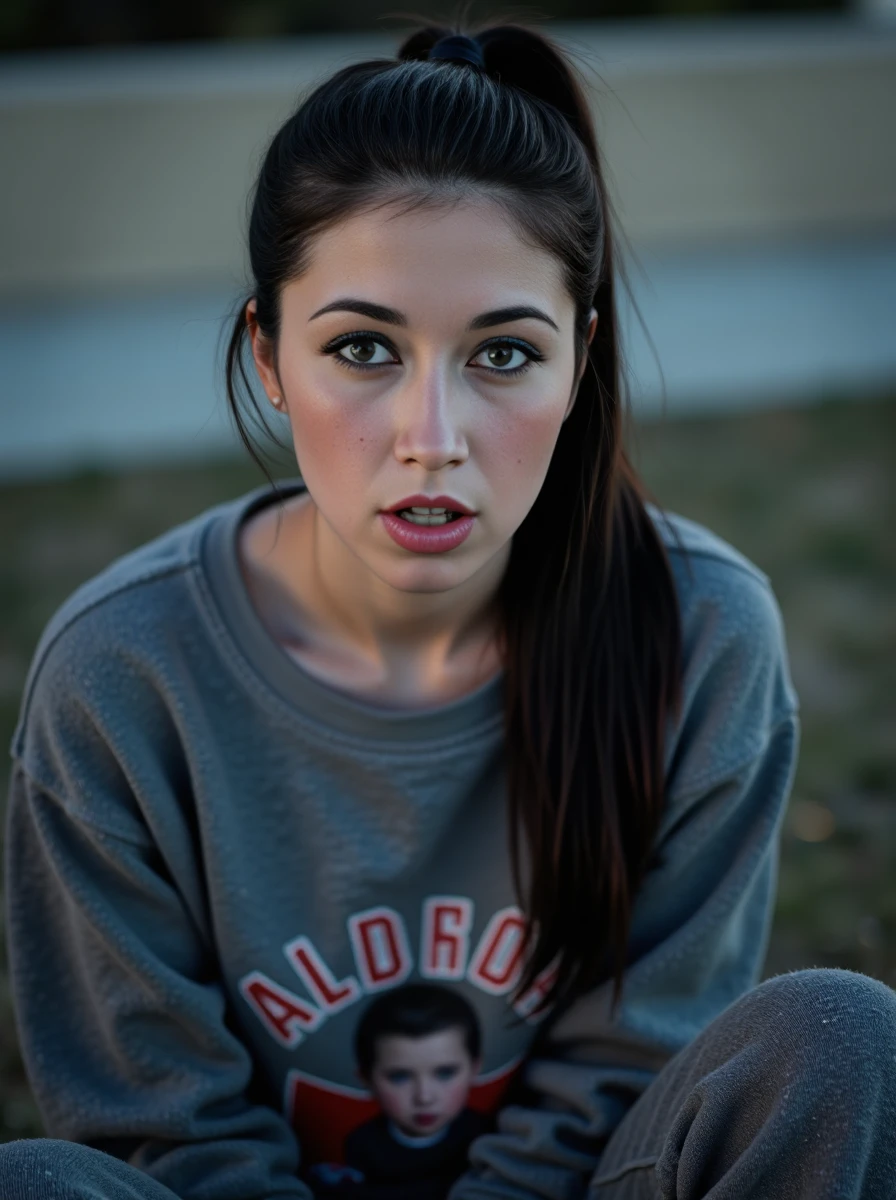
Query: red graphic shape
{"type": "Point", "coordinates": [445, 937]}
{"type": "Point", "coordinates": [498, 957]}
{"type": "Point", "coordinates": [282, 1012]}
{"type": "Point", "coordinates": [528, 1004]}
{"type": "Point", "coordinates": [330, 994]}
{"type": "Point", "coordinates": [380, 946]}
{"type": "Point", "coordinates": [323, 1114]}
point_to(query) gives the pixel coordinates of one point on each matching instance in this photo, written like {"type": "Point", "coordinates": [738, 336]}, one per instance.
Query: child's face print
{"type": "Point", "coordinates": [423, 1083]}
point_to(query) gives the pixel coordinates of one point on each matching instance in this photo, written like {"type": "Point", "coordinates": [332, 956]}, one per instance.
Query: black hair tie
{"type": "Point", "coordinates": [457, 47]}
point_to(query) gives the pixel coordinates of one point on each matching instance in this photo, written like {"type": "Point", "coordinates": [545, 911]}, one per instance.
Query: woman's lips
{"type": "Point", "coordinates": [427, 539]}
{"type": "Point", "coordinates": [425, 1119]}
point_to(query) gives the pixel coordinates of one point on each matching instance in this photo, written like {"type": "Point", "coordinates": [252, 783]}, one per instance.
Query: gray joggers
{"type": "Point", "coordinates": [789, 1094]}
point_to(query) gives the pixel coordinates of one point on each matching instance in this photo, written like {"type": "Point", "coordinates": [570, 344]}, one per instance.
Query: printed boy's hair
{"type": "Point", "coordinates": [416, 1010]}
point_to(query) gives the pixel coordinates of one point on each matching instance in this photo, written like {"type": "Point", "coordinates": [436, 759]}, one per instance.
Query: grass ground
{"type": "Point", "coordinates": [809, 494]}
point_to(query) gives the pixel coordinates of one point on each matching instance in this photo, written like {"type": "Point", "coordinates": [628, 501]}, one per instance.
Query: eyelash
{"type": "Point", "coordinates": [349, 339]}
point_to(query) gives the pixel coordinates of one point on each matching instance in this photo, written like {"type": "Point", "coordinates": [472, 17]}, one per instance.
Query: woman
{"type": "Point", "coordinates": [456, 706]}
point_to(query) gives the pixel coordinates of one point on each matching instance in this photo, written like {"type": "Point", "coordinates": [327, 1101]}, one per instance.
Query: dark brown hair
{"type": "Point", "coordinates": [589, 622]}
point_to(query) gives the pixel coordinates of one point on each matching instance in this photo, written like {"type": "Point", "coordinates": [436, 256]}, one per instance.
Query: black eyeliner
{"type": "Point", "coordinates": [346, 339]}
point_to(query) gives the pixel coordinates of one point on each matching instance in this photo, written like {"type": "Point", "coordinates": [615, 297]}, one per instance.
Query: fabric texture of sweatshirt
{"type": "Point", "coordinates": [214, 860]}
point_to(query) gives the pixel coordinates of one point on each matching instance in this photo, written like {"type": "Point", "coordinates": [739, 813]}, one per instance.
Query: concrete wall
{"type": "Point", "coordinates": [133, 167]}
{"type": "Point", "coordinates": [752, 164]}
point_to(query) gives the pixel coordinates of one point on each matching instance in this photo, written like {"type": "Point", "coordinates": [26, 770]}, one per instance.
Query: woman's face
{"type": "Point", "coordinates": [436, 393]}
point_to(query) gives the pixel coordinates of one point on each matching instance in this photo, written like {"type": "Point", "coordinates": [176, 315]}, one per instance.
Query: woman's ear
{"type": "Point", "coordinates": [263, 354]}
{"type": "Point", "coordinates": [592, 329]}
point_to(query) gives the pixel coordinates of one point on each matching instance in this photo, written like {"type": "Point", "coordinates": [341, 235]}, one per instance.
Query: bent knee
{"type": "Point", "coordinates": [28, 1165]}
{"type": "Point", "coordinates": [844, 1003]}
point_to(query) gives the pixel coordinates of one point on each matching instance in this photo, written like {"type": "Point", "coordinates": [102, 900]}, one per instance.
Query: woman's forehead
{"type": "Point", "coordinates": [431, 265]}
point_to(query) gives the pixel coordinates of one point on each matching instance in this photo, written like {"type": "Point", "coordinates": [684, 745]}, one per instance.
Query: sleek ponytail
{"type": "Point", "coordinates": [590, 629]}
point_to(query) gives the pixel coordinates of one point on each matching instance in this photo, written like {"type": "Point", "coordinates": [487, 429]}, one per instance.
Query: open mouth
{"type": "Point", "coordinates": [428, 516]}
{"type": "Point", "coordinates": [428, 532]}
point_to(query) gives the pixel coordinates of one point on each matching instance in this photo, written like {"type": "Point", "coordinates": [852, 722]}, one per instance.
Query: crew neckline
{"type": "Point", "coordinates": [473, 715]}
{"type": "Point", "coordinates": [417, 1143]}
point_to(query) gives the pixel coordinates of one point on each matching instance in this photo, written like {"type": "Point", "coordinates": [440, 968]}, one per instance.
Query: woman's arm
{"type": "Point", "coordinates": [123, 1024]}
{"type": "Point", "coordinates": [701, 919]}
{"type": "Point", "coordinates": [123, 1021]}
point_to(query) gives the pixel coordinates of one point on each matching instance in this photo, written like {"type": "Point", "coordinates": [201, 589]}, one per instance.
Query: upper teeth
{"type": "Point", "coordinates": [426, 516]}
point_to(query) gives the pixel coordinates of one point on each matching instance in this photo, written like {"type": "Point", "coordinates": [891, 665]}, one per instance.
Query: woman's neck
{"type": "Point", "coordinates": [346, 626]}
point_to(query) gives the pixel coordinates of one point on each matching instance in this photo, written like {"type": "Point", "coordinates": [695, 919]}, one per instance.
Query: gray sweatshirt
{"type": "Point", "coordinates": [214, 860]}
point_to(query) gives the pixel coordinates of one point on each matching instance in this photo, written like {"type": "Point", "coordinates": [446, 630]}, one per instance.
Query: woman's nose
{"type": "Point", "coordinates": [431, 418]}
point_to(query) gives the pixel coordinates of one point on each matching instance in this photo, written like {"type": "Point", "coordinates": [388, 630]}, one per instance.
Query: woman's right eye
{"type": "Point", "coordinates": [361, 352]}
{"type": "Point", "coordinates": [398, 1076]}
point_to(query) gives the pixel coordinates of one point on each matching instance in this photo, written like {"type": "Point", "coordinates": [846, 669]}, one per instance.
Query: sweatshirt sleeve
{"type": "Point", "coordinates": [122, 1020]}
{"type": "Point", "coordinates": [701, 919]}
{"type": "Point", "coordinates": [125, 1029]}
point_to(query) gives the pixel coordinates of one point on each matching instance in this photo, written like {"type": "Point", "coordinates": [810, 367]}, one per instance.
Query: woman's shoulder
{"type": "Point", "coordinates": [736, 682]}
{"type": "Point", "coordinates": [720, 591]}
{"type": "Point", "coordinates": [701, 556]}
{"type": "Point", "coordinates": [136, 609]}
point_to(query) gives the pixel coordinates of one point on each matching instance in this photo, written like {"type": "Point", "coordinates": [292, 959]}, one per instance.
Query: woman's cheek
{"type": "Point", "coordinates": [333, 442]}
{"type": "Point", "coordinates": [517, 451]}
{"type": "Point", "coordinates": [321, 429]}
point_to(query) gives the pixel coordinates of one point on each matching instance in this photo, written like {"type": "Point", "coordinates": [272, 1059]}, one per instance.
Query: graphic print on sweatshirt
{"type": "Point", "coordinates": [403, 1039]}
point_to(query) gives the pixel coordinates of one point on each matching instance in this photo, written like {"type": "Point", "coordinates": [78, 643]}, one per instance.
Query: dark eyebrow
{"type": "Point", "coordinates": [391, 316]}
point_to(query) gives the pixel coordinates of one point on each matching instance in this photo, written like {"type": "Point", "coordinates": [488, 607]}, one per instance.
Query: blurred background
{"type": "Point", "coordinates": [753, 165]}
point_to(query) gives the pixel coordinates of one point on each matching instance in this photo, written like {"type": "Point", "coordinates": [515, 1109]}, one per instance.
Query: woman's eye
{"type": "Point", "coordinates": [362, 353]}
{"type": "Point", "coordinates": [445, 1073]}
{"type": "Point", "coordinates": [397, 1077]}
{"type": "Point", "coordinates": [499, 358]}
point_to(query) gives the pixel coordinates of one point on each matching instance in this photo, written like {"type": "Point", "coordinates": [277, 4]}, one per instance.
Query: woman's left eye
{"type": "Point", "coordinates": [362, 350]}
{"type": "Point", "coordinates": [500, 355]}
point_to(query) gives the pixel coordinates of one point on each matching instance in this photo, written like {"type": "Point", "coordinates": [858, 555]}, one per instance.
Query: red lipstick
{"type": "Point", "coordinates": [428, 539]}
